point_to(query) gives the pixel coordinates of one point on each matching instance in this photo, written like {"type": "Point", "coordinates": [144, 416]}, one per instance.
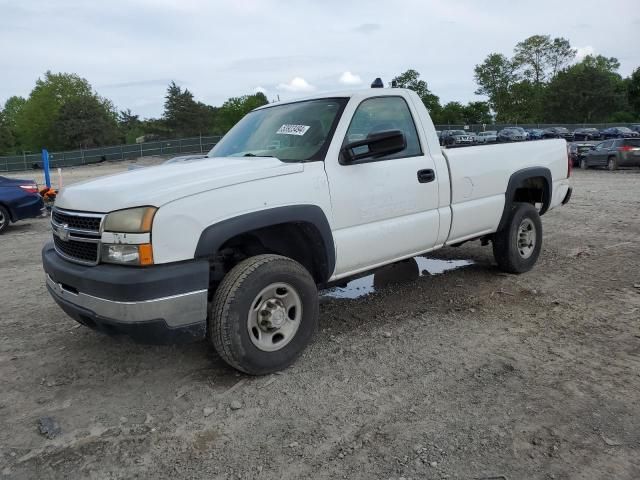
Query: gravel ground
{"type": "Point", "coordinates": [469, 374]}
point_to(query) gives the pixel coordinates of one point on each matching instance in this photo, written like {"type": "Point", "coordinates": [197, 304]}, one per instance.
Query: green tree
{"type": "Point", "coordinates": [36, 122]}
{"type": "Point", "coordinates": [86, 121]}
{"type": "Point", "coordinates": [540, 58]}
{"type": "Point", "coordinates": [183, 115]}
{"type": "Point", "coordinates": [496, 77]}
{"type": "Point", "coordinates": [129, 126]}
{"type": "Point", "coordinates": [561, 54]}
{"type": "Point", "coordinates": [7, 140]}
{"type": "Point", "coordinates": [235, 108]}
{"type": "Point", "coordinates": [411, 80]}
{"type": "Point", "coordinates": [477, 113]}
{"type": "Point", "coordinates": [590, 91]}
{"type": "Point", "coordinates": [8, 130]}
{"type": "Point", "coordinates": [12, 108]}
{"type": "Point", "coordinates": [633, 92]}
{"type": "Point", "coordinates": [452, 113]}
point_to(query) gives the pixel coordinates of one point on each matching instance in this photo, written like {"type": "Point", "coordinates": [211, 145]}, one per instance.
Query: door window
{"type": "Point", "coordinates": [381, 114]}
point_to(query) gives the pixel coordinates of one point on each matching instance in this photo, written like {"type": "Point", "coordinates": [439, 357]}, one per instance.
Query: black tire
{"type": "Point", "coordinates": [612, 164]}
{"type": "Point", "coordinates": [5, 219]}
{"type": "Point", "coordinates": [507, 245]}
{"type": "Point", "coordinates": [229, 313]}
{"type": "Point", "coordinates": [583, 164]}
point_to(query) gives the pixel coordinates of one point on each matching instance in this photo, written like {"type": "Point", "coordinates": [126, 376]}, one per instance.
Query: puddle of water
{"type": "Point", "coordinates": [400, 272]}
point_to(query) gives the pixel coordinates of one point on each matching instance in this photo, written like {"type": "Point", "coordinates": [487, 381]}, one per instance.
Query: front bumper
{"type": "Point", "coordinates": [158, 304]}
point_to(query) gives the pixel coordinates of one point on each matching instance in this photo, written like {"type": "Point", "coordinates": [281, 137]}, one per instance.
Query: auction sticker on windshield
{"type": "Point", "coordinates": [293, 129]}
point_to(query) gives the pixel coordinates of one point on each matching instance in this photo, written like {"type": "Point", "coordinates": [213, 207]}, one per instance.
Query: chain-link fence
{"type": "Point", "coordinates": [29, 161]}
{"type": "Point", "coordinates": [500, 126]}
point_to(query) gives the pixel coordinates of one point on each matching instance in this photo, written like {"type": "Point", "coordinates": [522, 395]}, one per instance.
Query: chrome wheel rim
{"type": "Point", "coordinates": [526, 238]}
{"type": "Point", "coordinates": [274, 317]}
{"type": "Point", "coordinates": [3, 220]}
{"type": "Point", "coordinates": [611, 164]}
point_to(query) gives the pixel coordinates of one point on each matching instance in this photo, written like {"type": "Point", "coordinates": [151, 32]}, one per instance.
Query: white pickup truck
{"type": "Point", "coordinates": [297, 196]}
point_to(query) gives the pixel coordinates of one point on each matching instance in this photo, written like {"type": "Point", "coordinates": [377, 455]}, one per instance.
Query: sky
{"type": "Point", "coordinates": [130, 50]}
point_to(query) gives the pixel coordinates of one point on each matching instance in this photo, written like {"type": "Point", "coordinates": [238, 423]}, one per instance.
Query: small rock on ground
{"type": "Point", "coordinates": [49, 427]}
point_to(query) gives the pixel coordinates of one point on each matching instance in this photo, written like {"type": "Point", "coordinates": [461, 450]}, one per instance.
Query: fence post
{"type": "Point", "coordinates": [140, 149]}
{"type": "Point", "coordinates": [200, 142]}
{"type": "Point", "coordinates": [179, 145]}
{"type": "Point", "coordinates": [24, 159]}
{"type": "Point", "coordinates": [82, 155]}
{"type": "Point", "coordinates": [121, 152]}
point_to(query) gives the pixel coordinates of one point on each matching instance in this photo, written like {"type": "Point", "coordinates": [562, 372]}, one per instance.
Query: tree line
{"type": "Point", "coordinates": [540, 83]}
{"type": "Point", "coordinates": [64, 112]}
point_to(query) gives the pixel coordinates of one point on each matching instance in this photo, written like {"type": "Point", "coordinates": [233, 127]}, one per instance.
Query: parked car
{"type": "Point", "coordinates": [557, 132]}
{"type": "Point", "coordinates": [535, 133]}
{"type": "Point", "coordinates": [19, 200]}
{"type": "Point", "coordinates": [620, 152]}
{"type": "Point", "coordinates": [291, 213]}
{"type": "Point", "coordinates": [577, 151]}
{"type": "Point", "coordinates": [512, 134]}
{"type": "Point", "coordinates": [619, 132]}
{"type": "Point", "coordinates": [450, 138]}
{"type": "Point", "coordinates": [635, 128]}
{"type": "Point", "coordinates": [586, 134]}
{"type": "Point", "coordinates": [489, 136]}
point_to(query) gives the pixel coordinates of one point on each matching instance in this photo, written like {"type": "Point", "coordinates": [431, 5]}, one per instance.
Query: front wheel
{"type": "Point", "coordinates": [583, 164]}
{"type": "Point", "coordinates": [612, 164]}
{"type": "Point", "coordinates": [264, 314]}
{"type": "Point", "coordinates": [517, 246]}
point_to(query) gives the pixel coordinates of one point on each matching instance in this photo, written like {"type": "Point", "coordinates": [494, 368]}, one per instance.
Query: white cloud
{"type": "Point", "coordinates": [260, 89]}
{"type": "Point", "coordinates": [348, 78]}
{"type": "Point", "coordinates": [583, 52]}
{"type": "Point", "coordinates": [297, 84]}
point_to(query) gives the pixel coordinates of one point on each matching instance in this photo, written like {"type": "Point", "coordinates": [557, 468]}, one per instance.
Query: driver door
{"type": "Point", "coordinates": [384, 208]}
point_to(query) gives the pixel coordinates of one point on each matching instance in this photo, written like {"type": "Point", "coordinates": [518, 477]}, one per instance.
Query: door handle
{"type": "Point", "coordinates": [426, 176]}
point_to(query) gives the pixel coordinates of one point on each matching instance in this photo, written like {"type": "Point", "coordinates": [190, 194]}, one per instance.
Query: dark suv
{"type": "Point", "coordinates": [557, 132]}
{"type": "Point", "coordinates": [578, 150]}
{"type": "Point", "coordinates": [586, 134]}
{"type": "Point", "coordinates": [619, 132]}
{"type": "Point", "coordinates": [512, 134]}
{"type": "Point", "coordinates": [455, 137]}
{"type": "Point", "coordinates": [621, 152]}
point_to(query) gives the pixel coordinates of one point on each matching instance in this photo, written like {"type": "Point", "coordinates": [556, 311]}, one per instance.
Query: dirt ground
{"type": "Point", "coordinates": [467, 374]}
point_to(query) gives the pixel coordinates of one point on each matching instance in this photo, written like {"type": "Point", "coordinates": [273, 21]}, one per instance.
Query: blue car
{"type": "Point", "coordinates": [19, 199]}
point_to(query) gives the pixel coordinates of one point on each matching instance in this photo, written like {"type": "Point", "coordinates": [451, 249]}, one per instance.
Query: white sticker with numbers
{"type": "Point", "coordinates": [293, 129]}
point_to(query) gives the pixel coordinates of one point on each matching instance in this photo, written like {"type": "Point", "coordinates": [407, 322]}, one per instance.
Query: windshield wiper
{"type": "Point", "coordinates": [254, 155]}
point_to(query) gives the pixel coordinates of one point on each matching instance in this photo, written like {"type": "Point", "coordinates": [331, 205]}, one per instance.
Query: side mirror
{"type": "Point", "coordinates": [375, 145]}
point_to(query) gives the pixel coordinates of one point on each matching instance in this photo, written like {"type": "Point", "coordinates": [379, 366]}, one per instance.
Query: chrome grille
{"type": "Point", "coordinates": [82, 223]}
{"type": "Point", "coordinates": [76, 235]}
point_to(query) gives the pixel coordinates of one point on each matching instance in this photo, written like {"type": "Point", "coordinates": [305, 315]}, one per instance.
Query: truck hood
{"type": "Point", "coordinates": [162, 184]}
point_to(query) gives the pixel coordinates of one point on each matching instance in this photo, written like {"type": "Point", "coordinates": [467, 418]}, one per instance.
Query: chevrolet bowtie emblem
{"type": "Point", "coordinates": [62, 232]}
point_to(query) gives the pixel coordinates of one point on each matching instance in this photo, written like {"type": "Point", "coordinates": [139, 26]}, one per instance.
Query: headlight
{"type": "Point", "coordinates": [126, 237]}
{"type": "Point", "coordinates": [131, 220]}
{"type": "Point", "coordinates": [127, 254]}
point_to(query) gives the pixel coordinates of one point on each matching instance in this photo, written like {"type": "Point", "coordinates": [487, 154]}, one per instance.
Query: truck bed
{"type": "Point", "coordinates": [479, 178]}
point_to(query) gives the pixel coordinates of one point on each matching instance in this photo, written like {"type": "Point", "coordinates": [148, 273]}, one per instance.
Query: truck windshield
{"type": "Point", "coordinates": [293, 132]}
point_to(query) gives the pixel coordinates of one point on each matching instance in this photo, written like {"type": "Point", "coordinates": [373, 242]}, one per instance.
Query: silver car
{"type": "Point", "coordinates": [489, 136]}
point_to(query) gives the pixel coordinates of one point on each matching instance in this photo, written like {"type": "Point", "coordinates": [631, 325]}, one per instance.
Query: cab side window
{"type": "Point", "coordinates": [381, 114]}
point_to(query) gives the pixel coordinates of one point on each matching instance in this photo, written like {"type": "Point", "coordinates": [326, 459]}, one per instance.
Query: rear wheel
{"type": "Point", "coordinates": [517, 246]}
{"type": "Point", "coordinates": [612, 164]}
{"type": "Point", "coordinates": [4, 219]}
{"type": "Point", "coordinates": [264, 314]}
{"type": "Point", "coordinates": [583, 164]}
